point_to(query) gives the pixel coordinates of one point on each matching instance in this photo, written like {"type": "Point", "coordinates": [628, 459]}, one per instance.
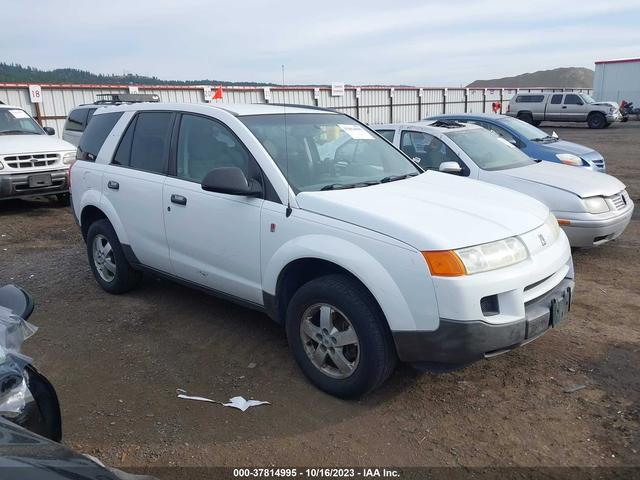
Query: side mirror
{"type": "Point", "coordinates": [49, 130]}
{"type": "Point", "coordinates": [450, 167]}
{"type": "Point", "coordinates": [230, 180]}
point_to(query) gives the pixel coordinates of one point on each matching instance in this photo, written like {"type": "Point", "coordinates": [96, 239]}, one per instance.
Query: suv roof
{"type": "Point", "coordinates": [238, 109]}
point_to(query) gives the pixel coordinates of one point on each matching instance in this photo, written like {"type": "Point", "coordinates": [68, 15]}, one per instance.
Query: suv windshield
{"type": "Point", "coordinates": [325, 151]}
{"type": "Point", "coordinates": [489, 151]}
{"type": "Point", "coordinates": [15, 121]}
{"type": "Point", "coordinates": [587, 98]}
{"type": "Point", "coordinates": [525, 129]}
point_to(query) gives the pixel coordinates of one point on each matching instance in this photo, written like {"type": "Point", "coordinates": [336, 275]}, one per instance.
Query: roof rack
{"type": "Point", "coordinates": [111, 98]}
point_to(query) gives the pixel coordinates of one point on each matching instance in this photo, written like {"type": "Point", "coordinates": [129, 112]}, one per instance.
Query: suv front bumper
{"type": "Point", "coordinates": [458, 343]}
{"type": "Point", "coordinates": [16, 185]}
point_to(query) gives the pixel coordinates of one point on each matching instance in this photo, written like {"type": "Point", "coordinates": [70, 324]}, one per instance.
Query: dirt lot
{"type": "Point", "coordinates": [116, 362]}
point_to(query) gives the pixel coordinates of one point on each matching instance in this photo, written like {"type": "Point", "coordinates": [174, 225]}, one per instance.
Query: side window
{"type": "Point", "coordinates": [150, 143]}
{"type": "Point", "coordinates": [123, 152]}
{"type": "Point", "coordinates": [529, 98]}
{"type": "Point", "coordinates": [94, 136]}
{"type": "Point", "coordinates": [556, 99]}
{"type": "Point", "coordinates": [430, 150]}
{"type": "Point", "coordinates": [387, 134]}
{"type": "Point", "coordinates": [205, 144]}
{"type": "Point", "coordinates": [76, 120]}
{"type": "Point", "coordinates": [572, 99]}
{"type": "Point", "coordinates": [90, 113]}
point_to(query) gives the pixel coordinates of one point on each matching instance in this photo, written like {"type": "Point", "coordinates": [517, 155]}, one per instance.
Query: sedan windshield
{"type": "Point", "coordinates": [14, 121]}
{"type": "Point", "coordinates": [325, 151]}
{"type": "Point", "coordinates": [489, 151]}
{"type": "Point", "coordinates": [525, 129]}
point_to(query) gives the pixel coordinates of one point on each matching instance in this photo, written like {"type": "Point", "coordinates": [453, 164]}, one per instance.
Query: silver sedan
{"type": "Point", "coordinates": [592, 208]}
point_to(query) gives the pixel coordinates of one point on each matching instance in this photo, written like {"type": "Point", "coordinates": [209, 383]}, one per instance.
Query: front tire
{"type": "Point", "coordinates": [63, 199]}
{"type": "Point", "coordinates": [108, 263]}
{"type": "Point", "coordinates": [596, 120]}
{"type": "Point", "coordinates": [339, 336]}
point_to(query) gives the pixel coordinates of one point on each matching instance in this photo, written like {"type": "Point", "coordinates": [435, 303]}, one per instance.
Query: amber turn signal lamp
{"type": "Point", "coordinates": [444, 263]}
{"type": "Point", "coordinates": [564, 222]}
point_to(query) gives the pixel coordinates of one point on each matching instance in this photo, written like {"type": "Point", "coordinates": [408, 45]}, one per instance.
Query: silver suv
{"type": "Point", "coordinates": [535, 108]}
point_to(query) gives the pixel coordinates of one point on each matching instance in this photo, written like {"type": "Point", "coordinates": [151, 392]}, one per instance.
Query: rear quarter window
{"type": "Point", "coordinates": [76, 121]}
{"type": "Point", "coordinates": [529, 98]}
{"type": "Point", "coordinates": [95, 135]}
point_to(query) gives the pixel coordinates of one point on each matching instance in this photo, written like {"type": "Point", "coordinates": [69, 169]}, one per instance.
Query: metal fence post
{"type": "Point", "coordinates": [444, 100]}
{"type": "Point", "coordinates": [391, 105]}
{"type": "Point", "coordinates": [419, 104]}
{"type": "Point", "coordinates": [466, 100]}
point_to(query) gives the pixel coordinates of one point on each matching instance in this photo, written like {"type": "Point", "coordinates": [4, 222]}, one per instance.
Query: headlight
{"type": "Point", "coordinates": [611, 110]}
{"type": "Point", "coordinates": [552, 228]}
{"type": "Point", "coordinates": [476, 259]}
{"type": "Point", "coordinates": [596, 205]}
{"type": "Point", "coordinates": [1, 166]}
{"type": "Point", "coordinates": [569, 159]}
{"type": "Point", "coordinates": [68, 158]}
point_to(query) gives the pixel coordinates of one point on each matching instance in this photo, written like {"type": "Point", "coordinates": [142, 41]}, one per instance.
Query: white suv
{"type": "Point", "coordinates": [32, 161]}
{"type": "Point", "coordinates": [313, 218]}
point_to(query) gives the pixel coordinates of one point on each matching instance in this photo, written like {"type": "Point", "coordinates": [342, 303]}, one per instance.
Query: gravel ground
{"type": "Point", "coordinates": [116, 362]}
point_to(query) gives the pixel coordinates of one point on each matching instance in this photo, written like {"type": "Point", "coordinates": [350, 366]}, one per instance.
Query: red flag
{"type": "Point", "coordinates": [218, 94]}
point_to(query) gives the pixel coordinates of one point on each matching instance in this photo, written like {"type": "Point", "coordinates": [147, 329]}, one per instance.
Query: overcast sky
{"type": "Point", "coordinates": [360, 42]}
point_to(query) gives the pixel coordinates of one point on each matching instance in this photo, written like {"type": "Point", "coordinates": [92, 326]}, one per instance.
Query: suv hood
{"type": "Point", "coordinates": [580, 181]}
{"type": "Point", "coordinates": [12, 144]}
{"type": "Point", "coordinates": [433, 211]}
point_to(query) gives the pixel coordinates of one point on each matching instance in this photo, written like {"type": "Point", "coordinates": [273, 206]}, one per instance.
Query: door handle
{"type": "Point", "coordinates": [178, 199]}
{"type": "Point", "coordinates": [564, 106]}
{"type": "Point", "coordinates": [113, 185]}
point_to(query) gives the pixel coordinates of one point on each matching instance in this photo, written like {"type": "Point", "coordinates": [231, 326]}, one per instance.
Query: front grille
{"type": "Point", "coordinates": [31, 160]}
{"type": "Point", "coordinates": [618, 201]}
{"type": "Point", "coordinates": [599, 162]}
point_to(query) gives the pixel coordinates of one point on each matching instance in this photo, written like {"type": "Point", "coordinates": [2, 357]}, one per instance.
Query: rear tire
{"type": "Point", "coordinates": [335, 317]}
{"type": "Point", "coordinates": [108, 263]}
{"type": "Point", "coordinates": [596, 120]}
{"type": "Point", "coordinates": [526, 117]}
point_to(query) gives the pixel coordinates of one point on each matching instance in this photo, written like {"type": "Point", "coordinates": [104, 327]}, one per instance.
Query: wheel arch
{"type": "Point", "coordinates": [303, 259]}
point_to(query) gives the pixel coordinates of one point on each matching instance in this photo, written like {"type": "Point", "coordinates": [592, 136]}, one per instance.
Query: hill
{"type": "Point", "coordinates": [571, 77]}
{"type": "Point", "coordinates": [12, 72]}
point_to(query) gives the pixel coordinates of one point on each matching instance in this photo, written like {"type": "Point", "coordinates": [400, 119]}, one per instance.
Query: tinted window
{"type": "Point", "coordinates": [90, 113]}
{"type": "Point", "coordinates": [556, 99]}
{"type": "Point", "coordinates": [150, 144]}
{"type": "Point", "coordinates": [123, 152]}
{"type": "Point", "coordinates": [387, 134]}
{"type": "Point", "coordinates": [431, 151]}
{"type": "Point", "coordinates": [205, 144]}
{"type": "Point", "coordinates": [76, 120]}
{"type": "Point", "coordinates": [572, 99]}
{"type": "Point", "coordinates": [488, 151]}
{"type": "Point", "coordinates": [94, 136]}
{"type": "Point", "coordinates": [529, 98]}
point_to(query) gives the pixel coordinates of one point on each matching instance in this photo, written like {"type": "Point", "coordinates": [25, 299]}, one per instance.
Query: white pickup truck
{"type": "Point", "coordinates": [32, 161]}
{"type": "Point", "coordinates": [535, 108]}
{"type": "Point", "coordinates": [313, 218]}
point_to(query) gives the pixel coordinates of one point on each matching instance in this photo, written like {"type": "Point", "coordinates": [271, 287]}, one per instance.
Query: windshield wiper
{"type": "Point", "coordinates": [393, 178]}
{"type": "Point", "coordinates": [344, 186]}
{"type": "Point", "coordinates": [18, 132]}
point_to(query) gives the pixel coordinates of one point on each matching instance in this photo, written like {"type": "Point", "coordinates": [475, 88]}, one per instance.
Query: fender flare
{"type": "Point", "coordinates": [92, 198]}
{"type": "Point", "coordinates": [351, 258]}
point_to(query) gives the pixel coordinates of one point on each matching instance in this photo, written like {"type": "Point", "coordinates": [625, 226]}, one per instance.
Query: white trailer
{"type": "Point", "coordinates": [617, 80]}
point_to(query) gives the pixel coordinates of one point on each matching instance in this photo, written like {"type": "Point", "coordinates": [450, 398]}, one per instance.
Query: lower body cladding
{"type": "Point", "coordinates": [16, 185]}
{"type": "Point", "coordinates": [456, 344]}
{"type": "Point", "coordinates": [591, 233]}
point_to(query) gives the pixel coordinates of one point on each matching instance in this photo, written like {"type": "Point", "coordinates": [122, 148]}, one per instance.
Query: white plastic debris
{"type": "Point", "coordinates": [236, 402]}
{"type": "Point", "coordinates": [242, 404]}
